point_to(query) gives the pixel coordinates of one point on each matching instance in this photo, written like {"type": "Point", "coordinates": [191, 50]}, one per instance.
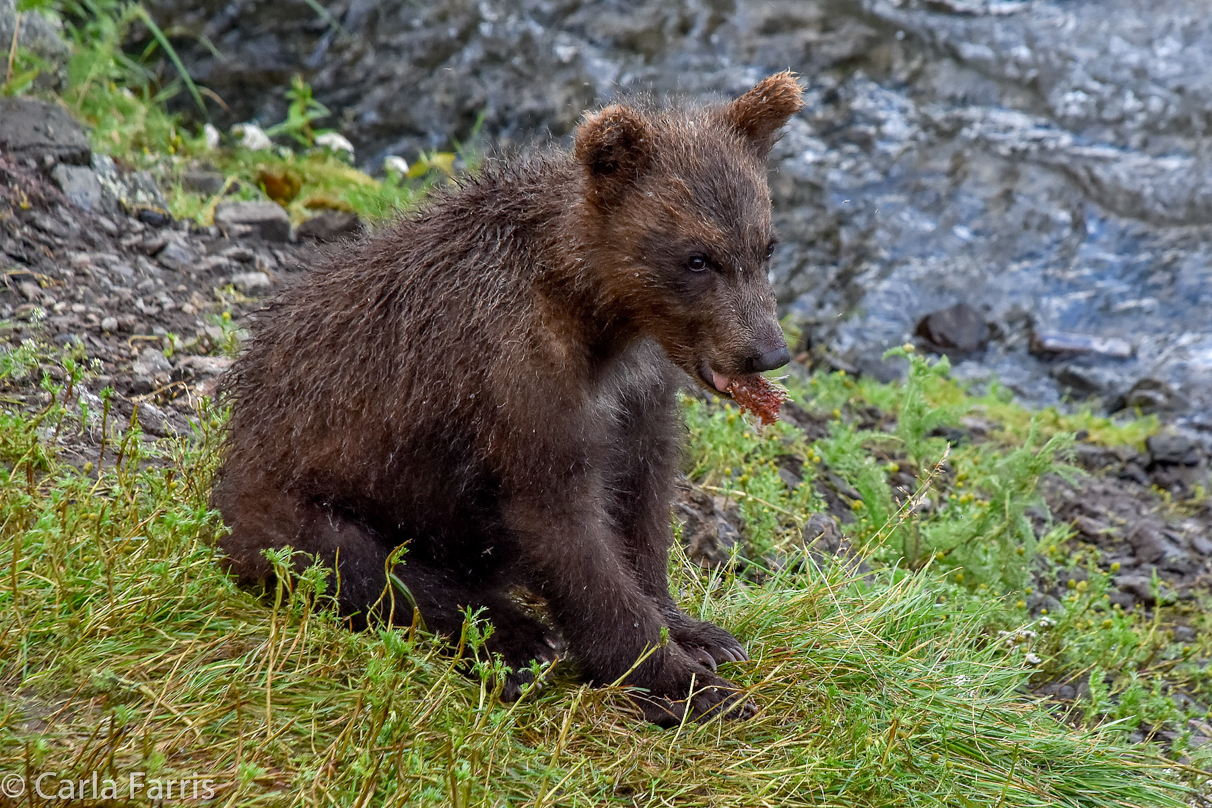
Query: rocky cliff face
{"type": "Point", "coordinates": [1043, 162]}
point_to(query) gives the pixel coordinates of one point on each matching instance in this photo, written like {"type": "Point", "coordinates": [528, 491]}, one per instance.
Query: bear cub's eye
{"type": "Point", "coordinates": [696, 262]}
{"type": "Point", "coordinates": [770, 249]}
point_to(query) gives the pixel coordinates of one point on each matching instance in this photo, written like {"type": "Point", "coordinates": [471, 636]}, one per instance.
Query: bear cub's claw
{"type": "Point", "coordinates": [707, 643]}
{"type": "Point", "coordinates": [709, 696]}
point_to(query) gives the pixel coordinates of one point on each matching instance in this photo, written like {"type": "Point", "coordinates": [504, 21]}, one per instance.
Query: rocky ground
{"type": "Point", "coordinates": [156, 305]}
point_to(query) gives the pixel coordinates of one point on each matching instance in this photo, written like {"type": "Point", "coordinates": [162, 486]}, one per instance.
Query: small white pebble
{"type": "Point", "coordinates": [252, 137]}
{"type": "Point", "coordinates": [397, 164]}
{"type": "Point", "coordinates": [212, 136]}
{"type": "Point", "coordinates": [1033, 659]}
{"type": "Point", "coordinates": [335, 142]}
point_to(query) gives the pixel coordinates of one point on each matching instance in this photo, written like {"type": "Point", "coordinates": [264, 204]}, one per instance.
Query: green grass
{"type": "Point", "coordinates": [124, 647]}
{"type": "Point", "coordinates": [122, 100]}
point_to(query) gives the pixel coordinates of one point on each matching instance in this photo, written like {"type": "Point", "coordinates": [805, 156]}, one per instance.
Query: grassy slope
{"type": "Point", "coordinates": [123, 647]}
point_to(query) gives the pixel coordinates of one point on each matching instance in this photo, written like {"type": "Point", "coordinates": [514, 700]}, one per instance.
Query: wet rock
{"type": "Point", "coordinates": [1050, 344]}
{"type": "Point", "coordinates": [331, 225]}
{"type": "Point", "coordinates": [153, 217]}
{"type": "Point", "coordinates": [1151, 395]}
{"type": "Point", "coordinates": [1174, 449]}
{"type": "Point", "coordinates": [957, 330]}
{"type": "Point", "coordinates": [37, 129]}
{"type": "Point", "coordinates": [1079, 382]}
{"type": "Point", "coordinates": [265, 219]}
{"type": "Point", "coordinates": [80, 185]}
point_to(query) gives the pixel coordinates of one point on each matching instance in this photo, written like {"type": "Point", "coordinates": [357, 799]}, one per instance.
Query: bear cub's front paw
{"type": "Point", "coordinates": [706, 643]}
{"type": "Point", "coordinates": [684, 688]}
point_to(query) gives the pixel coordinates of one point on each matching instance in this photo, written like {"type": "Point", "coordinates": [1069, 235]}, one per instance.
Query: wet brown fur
{"type": "Point", "coordinates": [490, 382]}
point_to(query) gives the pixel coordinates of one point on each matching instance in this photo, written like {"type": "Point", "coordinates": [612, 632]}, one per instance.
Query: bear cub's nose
{"type": "Point", "coordinates": [770, 360]}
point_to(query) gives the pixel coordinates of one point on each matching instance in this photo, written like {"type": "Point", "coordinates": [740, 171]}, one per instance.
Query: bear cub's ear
{"type": "Point", "coordinates": [760, 113]}
{"type": "Point", "coordinates": [615, 146]}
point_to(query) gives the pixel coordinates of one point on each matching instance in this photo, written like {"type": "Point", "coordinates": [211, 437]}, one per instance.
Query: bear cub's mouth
{"type": "Point", "coordinates": [715, 380]}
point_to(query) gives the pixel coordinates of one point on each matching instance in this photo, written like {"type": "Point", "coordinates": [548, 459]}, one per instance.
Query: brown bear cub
{"type": "Point", "coordinates": [491, 383]}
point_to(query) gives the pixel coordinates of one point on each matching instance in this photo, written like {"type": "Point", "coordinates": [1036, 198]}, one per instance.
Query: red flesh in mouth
{"type": "Point", "coordinates": [758, 396]}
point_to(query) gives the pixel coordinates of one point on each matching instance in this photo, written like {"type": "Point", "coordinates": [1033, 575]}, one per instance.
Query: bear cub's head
{"type": "Point", "coordinates": [678, 210]}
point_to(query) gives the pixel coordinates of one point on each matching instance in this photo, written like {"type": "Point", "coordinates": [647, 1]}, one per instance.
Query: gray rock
{"type": "Point", "coordinates": [822, 532]}
{"type": "Point", "coordinates": [1149, 543]}
{"type": "Point", "coordinates": [708, 536]}
{"type": "Point", "coordinates": [178, 256]}
{"type": "Point", "coordinates": [956, 331]}
{"type": "Point", "coordinates": [152, 419]}
{"type": "Point", "coordinates": [1174, 449]}
{"type": "Point", "coordinates": [331, 225]}
{"type": "Point", "coordinates": [251, 282]}
{"type": "Point", "coordinates": [266, 219]}
{"type": "Point", "coordinates": [825, 543]}
{"type": "Point", "coordinates": [80, 185]}
{"type": "Point", "coordinates": [109, 324]}
{"type": "Point", "coordinates": [1140, 587]}
{"type": "Point", "coordinates": [1059, 343]}
{"type": "Point", "coordinates": [33, 128]}
{"type": "Point", "coordinates": [207, 365]}
{"type": "Point", "coordinates": [128, 191]}
{"type": "Point", "coordinates": [151, 363]}
{"type": "Point", "coordinates": [39, 34]}
{"type": "Point", "coordinates": [1151, 395]}
{"type": "Point", "coordinates": [201, 181]}
{"type": "Point", "coordinates": [1083, 381]}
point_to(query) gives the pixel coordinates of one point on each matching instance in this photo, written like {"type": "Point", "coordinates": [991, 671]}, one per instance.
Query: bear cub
{"type": "Point", "coordinates": [490, 383]}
